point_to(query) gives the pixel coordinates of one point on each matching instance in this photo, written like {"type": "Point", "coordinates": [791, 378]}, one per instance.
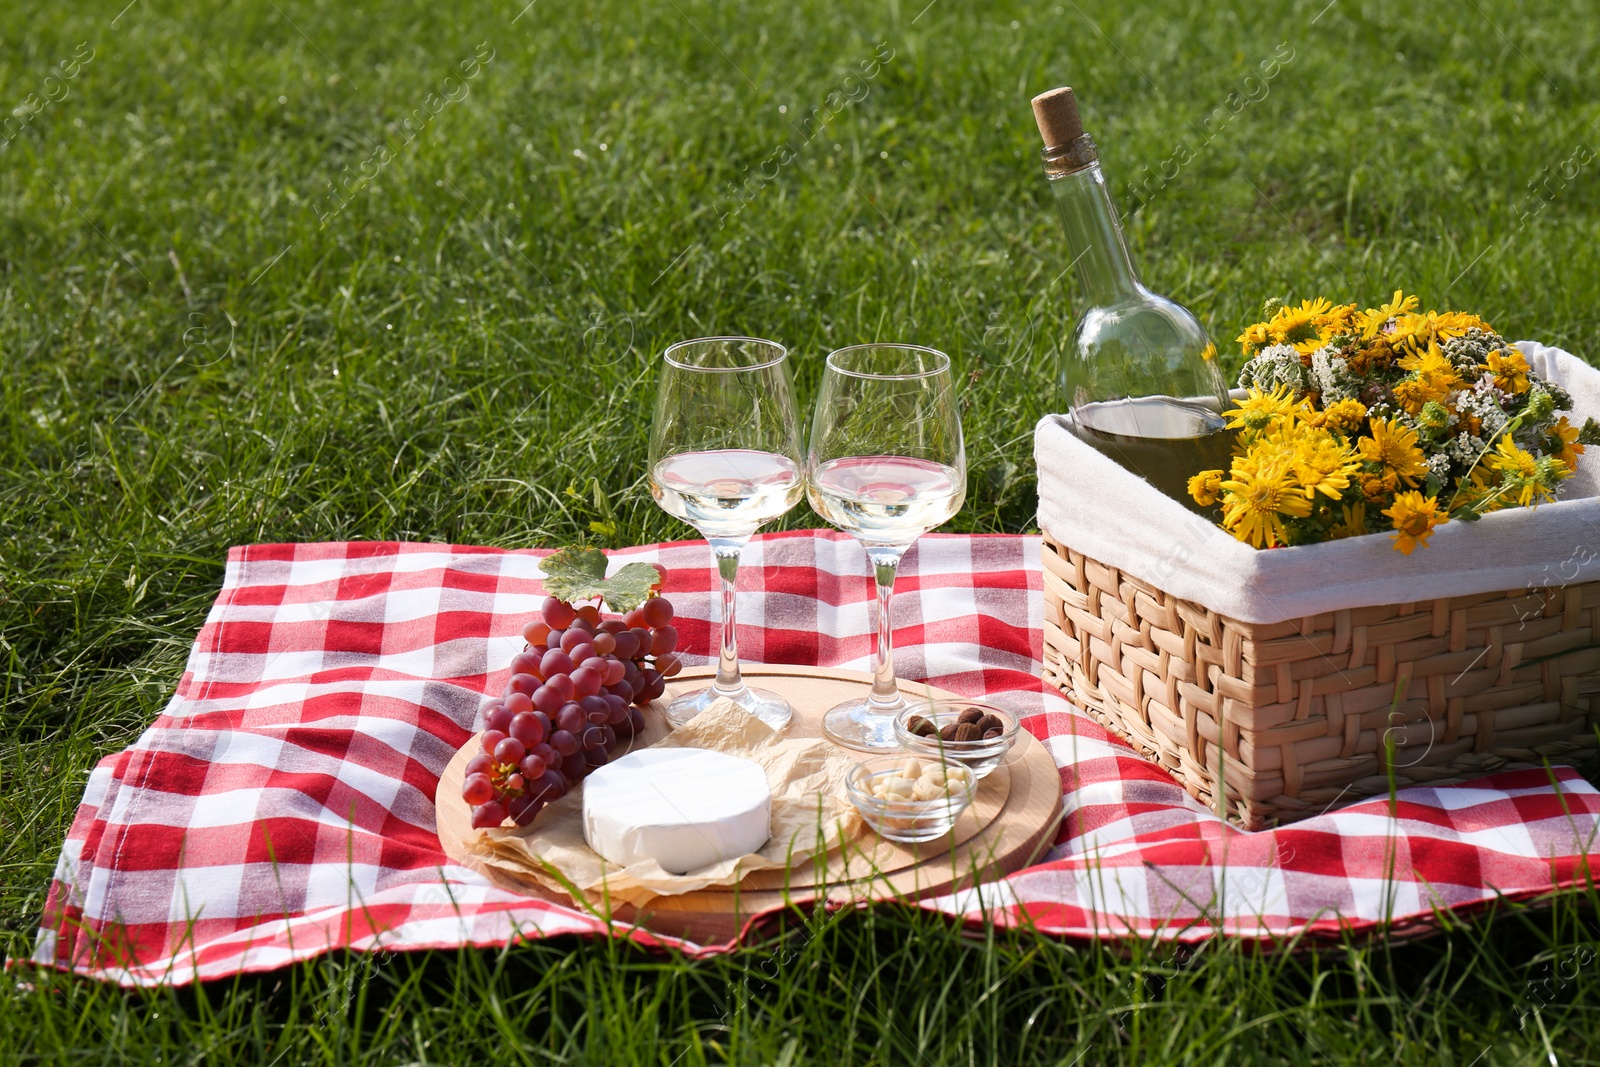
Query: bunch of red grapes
{"type": "Point", "coordinates": [572, 696]}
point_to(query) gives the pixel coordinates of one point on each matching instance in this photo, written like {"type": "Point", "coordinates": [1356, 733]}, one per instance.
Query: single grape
{"type": "Point", "coordinates": [562, 684]}
{"type": "Point", "coordinates": [634, 618]}
{"type": "Point", "coordinates": [634, 725]}
{"type": "Point", "coordinates": [532, 766]}
{"type": "Point", "coordinates": [613, 626]}
{"type": "Point", "coordinates": [595, 708]}
{"type": "Point", "coordinates": [630, 674]}
{"type": "Point", "coordinates": [604, 643]}
{"type": "Point", "coordinates": [593, 737]}
{"type": "Point", "coordinates": [644, 638]}
{"type": "Point", "coordinates": [668, 665]}
{"type": "Point", "coordinates": [664, 640]}
{"type": "Point", "coordinates": [535, 632]}
{"type": "Point", "coordinates": [583, 626]}
{"type": "Point", "coordinates": [654, 684]}
{"type": "Point", "coordinates": [498, 718]}
{"type": "Point", "coordinates": [558, 614]}
{"type": "Point", "coordinates": [565, 742]}
{"type": "Point", "coordinates": [627, 645]}
{"type": "Point", "coordinates": [617, 706]}
{"type": "Point", "coordinates": [582, 652]}
{"type": "Point", "coordinates": [492, 739]}
{"type": "Point", "coordinates": [488, 816]}
{"type": "Point", "coordinates": [523, 683]}
{"type": "Point", "coordinates": [597, 663]}
{"type": "Point", "coordinates": [549, 786]}
{"type": "Point", "coordinates": [515, 781]}
{"type": "Point", "coordinates": [661, 579]}
{"type": "Point", "coordinates": [544, 752]}
{"type": "Point", "coordinates": [553, 639]}
{"type": "Point", "coordinates": [575, 767]}
{"type": "Point", "coordinates": [614, 670]}
{"type": "Point", "coordinates": [528, 729]}
{"type": "Point", "coordinates": [570, 719]}
{"type": "Point", "coordinates": [586, 681]}
{"type": "Point", "coordinates": [527, 662]}
{"type": "Point", "coordinates": [656, 612]}
{"type": "Point", "coordinates": [589, 614]}
{"type": "Point", "coordinates": [482, 763]}
{"type": "Point", "coordinates": [510, 750]}
{"type": "Point", "coordinates": [555, 662]}
{"type": "Point", "coordinates": [477, 789]}
{"type": "Point", "coordinates": [547, 700]}
{"type": "Point", "coordinates": [518, 704]}
{"type": "Point", "coordinates": [523, 809]}
{"type": "Point", "coordinates": [572, 639]}
{"type": "Point", "coordinates": [596, 757]}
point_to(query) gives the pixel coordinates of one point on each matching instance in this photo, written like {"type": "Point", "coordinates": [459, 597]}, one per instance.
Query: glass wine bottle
{"type": "Point", "coordinates": [1140, 375]}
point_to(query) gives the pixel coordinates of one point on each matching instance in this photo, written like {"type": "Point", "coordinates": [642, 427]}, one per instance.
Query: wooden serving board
{"type": "Point", "coordinates": [1010, 822]}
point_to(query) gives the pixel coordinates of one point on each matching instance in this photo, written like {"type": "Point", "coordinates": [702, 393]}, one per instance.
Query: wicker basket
{"type": "Point", "coordinates": [1285, 720]}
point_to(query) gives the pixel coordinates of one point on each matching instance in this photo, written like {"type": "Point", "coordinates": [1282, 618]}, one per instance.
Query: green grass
{"type": "Point", "coordinates": [463, 352]}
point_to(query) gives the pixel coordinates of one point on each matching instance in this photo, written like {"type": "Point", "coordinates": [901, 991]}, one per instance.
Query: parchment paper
{"type": "Point", "coordinates": [810, 813]}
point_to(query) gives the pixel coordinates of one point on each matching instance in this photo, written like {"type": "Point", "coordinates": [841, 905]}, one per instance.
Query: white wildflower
{"type": "Point", "coordinates": [1276, 365]}
{"type": "Point", "coordinates": [1330, 376]}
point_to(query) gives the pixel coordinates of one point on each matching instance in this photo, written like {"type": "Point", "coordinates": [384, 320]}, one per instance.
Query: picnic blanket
{"type": "Point", "coordinates": [283, 804]}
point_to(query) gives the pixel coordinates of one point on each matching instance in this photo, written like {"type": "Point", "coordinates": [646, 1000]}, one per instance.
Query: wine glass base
{"type": "Point", "coordinates": [862, 725]}
{"type": "Point", "coordinates": [767, 706]}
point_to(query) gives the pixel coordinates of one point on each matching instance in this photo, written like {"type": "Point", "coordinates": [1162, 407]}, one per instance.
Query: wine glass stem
{"type": "Point", "coordinates": [885, 690]}
{"type": "Point", "coordinates": [727, 551]}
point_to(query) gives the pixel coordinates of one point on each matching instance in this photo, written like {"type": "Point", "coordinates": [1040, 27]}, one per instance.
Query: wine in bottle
{"type": "Point", "coordinates": [1140, 375]}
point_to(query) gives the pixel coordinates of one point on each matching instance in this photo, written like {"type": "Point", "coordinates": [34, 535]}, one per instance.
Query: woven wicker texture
{"type": "Point", "coordinates": [1287, 719]}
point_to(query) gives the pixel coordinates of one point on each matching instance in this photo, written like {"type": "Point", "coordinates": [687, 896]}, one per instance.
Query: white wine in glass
{"type": "Point", "coordinates": [725, 458]}
{"type": "Point", "coordinates": [886, 465]}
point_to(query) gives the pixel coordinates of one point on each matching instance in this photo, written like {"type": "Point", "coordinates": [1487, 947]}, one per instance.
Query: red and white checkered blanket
{"type": "Point", "coordinates": [283, 804]}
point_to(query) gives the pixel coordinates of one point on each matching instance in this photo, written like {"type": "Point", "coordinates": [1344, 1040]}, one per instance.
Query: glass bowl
{"type": "Point", "coordinates": [980, 756]}
{"type": "Point", "coordinates": [903, 819]}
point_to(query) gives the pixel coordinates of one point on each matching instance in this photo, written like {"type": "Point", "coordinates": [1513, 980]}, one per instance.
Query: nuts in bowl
{"type": "Point", "coordinates": [908, 799]}
{"type": "Point", "coordinates": [969, 732]}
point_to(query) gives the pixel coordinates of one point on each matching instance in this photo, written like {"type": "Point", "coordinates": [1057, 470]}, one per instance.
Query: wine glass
{"type": "Point", "coordinates": [725, 458]}
{"type": "Point", "coordinates": [886, 465]}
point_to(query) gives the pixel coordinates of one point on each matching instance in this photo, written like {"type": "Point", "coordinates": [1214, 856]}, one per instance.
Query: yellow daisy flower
{"type": "Point", "coordinates": [1399, 304]}
{"type": "Point", "coordinates": [1323, 464]}
{"type": "Point", "coordinates": [1563, 442]}
{"type": "Point", "coordinates": [1257, 503]}
{"type": "Point", "coordinates": [1394, 445]}
{"type": "Point", "coordinates": [1416, 331]}
{"type": "Point", "coordinates": [1255, 338]}
{"type": "Point", "coordinates": [1299, 325]}
{"type": "Point", "coordinates": [1507, 458]}
{"type": "Point", "coordinates": [1261, 411]}
{"type": "Point", "coordinates": [1414, 517]}
{"type": "Point", "coordinates": [1435, 379]}
{"type": "Point", "coordinates": [1344, 416]}
{"type": "Point", "coordinates": [1510, 370]}
{"type": "Point", "coordinates": [1205, 487]}
{"type": "Point", "coordinates": [1519, 468]}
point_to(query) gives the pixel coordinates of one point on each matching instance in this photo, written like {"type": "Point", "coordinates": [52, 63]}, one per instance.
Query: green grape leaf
{"type": "Point", "coordinates": [576, 574]}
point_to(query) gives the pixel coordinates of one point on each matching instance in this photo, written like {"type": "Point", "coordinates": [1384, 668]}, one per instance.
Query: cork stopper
{"type": "Point", "coordinates": [1057, 114]}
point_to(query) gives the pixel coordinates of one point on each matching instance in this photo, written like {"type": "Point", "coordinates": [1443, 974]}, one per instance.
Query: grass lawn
{"type": "Point", "coordinates": [265, 274]}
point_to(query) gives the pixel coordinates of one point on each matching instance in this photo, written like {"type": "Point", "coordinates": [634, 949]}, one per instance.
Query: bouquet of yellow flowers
{"type": "Point", "coordinates": [1387, 419]}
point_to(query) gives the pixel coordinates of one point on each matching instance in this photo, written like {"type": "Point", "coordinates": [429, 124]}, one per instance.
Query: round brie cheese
{"type": "Point", "coordinates": [685, 808]}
